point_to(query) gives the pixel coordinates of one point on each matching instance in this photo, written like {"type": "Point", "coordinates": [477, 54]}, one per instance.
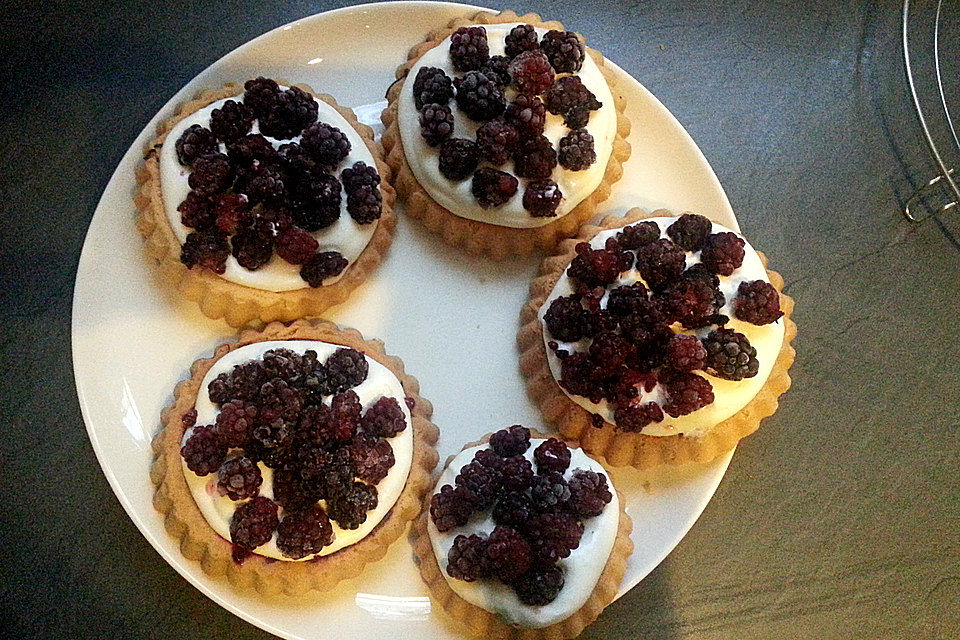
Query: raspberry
{"type": "Point", "coordinates": [690, 231]}
{"type": "Point", "coordinates": [685, 353]}
{"type": "Point", "coordinates": [535, 158]}
{"type": "Point", "coordinates": [508, 554]}
{"type": "Point", "coordinates": [633, 417]}
{"type": "Point", "coordinates": [589, 493]}
{"type": "Point", "coordinates": [358, 176]}
{"type": "Point", "coordinates": [531, 72]}
{"type": "Point", "coordinates": [482, 481]}
{"type": "Point", "coordinates": [757, 302]}
{"type": "Point", "coordinates": [372, 458]}
{"type": "Point", "coordinates": [289, 493]}
{"type": "Point", "coordinates": [296, 245]}
{"type": "Point", "coordinates": [564, 50]}
{"type": "Point", "coordinates": [243, 152]}
{"type": "Point", "coordinates": [264, 184]}
{"type": "Point", "coordinates": [458, 158]}
{"type": "Point", "coordinates": [451, 507]}
{"type": "Point", "coordinates": [722, 252]}
{"type": "Point", "coordinates": [384, 418]}
{"type": "Point", "coordinates": [320, 198]}
{"type": "Point", "coordinates": [730, 355]}
{"type": "Point", "coordinates": [542, 198]}
{"type": "Point", "coordinates": [513, 508]}
{"type": "Point", "coordinates": [260, 95]}
{"type": "Point", "coordinates": [293, 110]}
{"type": "Point", "coordinates": [231, 211]}
{"type": "Point", "coordinates": [349, 508]}
{"type": "Point", "coordinates": [253, 523]}
{"type": "Point", "coordinates": [549, 491]}
{"type": "Point", "coordinates": [690, 302]}
{"type": "Point", "coordinates": [540, 585]}
{"type": "Point", "coordinates": [235, 423]}
{"type": "Point", "coordinates": [195, 141]}
{"type": "Point", "coordinates": [467, 558]}
{"type": "Point", "coordinates": [516, 474]}
{"type": "Point", "coordinates": [527, 114]}
{"type": "Point", "coordinates": [479, 97]}
{"type": "Point", "coordinates": [253, 246]}
{"type": "Point", "coordinates": [566, 319]}
{"type": "Point", "coordinates": [325, 143]}
{"type": "Point", "coordinates": [554, 535]}
{"type": "Point", "coordinates": [497, 140]}
{"type": "Point", "coordinates": [522, 37]}
{"type": "Point", "coordinates": [346, 368]}
{"type": "Point", "coordinates": [304, 533]}
{"type": "Point", "coordinates": [686, 392]}
{"type": "Point", "coordinates": [598, 267]}
{"type": "Point", "coordinates": [576, 151]}
{"type": "Point", "coordinates": [239, 478]}
{"type": "Point", "coordinates": [660, 263]}
{"type": "Point", "coordinates": [431, 86]}
{"type": "Point", "coordinates": [212, 174]}
{"type": "Point", "coordinates": [198, 212]}
{"type": "Point", "coordinates": [436, 123]}
{"type": "Point", "coordinates": [627, 299]}
{"type": "Point", "coordinates": [205, 248]}
{"type": "Point", "coordinates": [552, 455]}
{"type": "Point", "coordinates": [203, 451]}
{"type": "Point", "coordinates": [510, 442]}
{"type": "Point", "coordinates": [232, 120]}
{"type": "Point", "coordinates": [611, 350]}
{"type": "Point", "coordinates": [322, 265]}
{"type": "Point", "coordinates": [365, 204]}
{"type": "Point", "coordinates": [468, 48]}
{"type": "Point", "coordinates": [568, 97]}
{"type": "Point", "coordinates": [344, 419]}
{"type": "Point", "coordinates": [492, 188]}
{"type": "Point", "coordinates": [638, 235]}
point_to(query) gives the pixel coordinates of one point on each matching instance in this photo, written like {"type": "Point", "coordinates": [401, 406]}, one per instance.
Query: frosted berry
{"type": "Point", "coordinates": [212, 174]}
{"type": "Point", "coordinates": [458, 158]}
{"type": "Point", "coordinates": [194, 142]}
{"type": "Point", "coordinates": [527, 114]}
{"type": "Point", "coordinates": [564, 50]}
{"type": "Point", "coordinates": [346, 368]}
{"type": "Point", "coordinates": [479, 97]}
{"type": "Point", "coordinates": [632, 418]}
{"type": "Point", "coordinates": [686, 392]}
{"type": "Point", "coordinates": [660, 263]}
{"type": "Point", "coordinates": [365, 204]}
{"type": "Point", "coordinates": [467, 558]}
{"type": "Point", "coordinates": [384, 418]}
{"type": "Point", "coordinates": [730, 355]}
{"type": "Point", "coordinates": [436, 123]}
{"type": "Point", "coordinates": [260, 95]}
{"type": "Point", "coordinates": [566, 319]}
{"type": "Point", "coordinates": [722, 252]}
{"type": "Point", "coordinates": [253, 523]}
{"type": "Point", "coordinates": [239, 478]}
{"type": "Point", "coordinates": [296, 245]}
{"type": "Point", "coordinates": [232, 120]}
{"type": "Point", "coordinates": [197, 212]}
{"type": "Point", "coordinates": [451, 507]}
{"type": "Point", "coordinates": [531, 72]}
{"type": "Point", "coordinates": [372, 458]}
{"type": "Point", "coordinates": [251, 148]}
{"type": "Point", "coordinates": [304, 533]}
{"type": "Point", "coordinates": [757, 302]}
{"type": "Point", "coordinates": [540, 585]}
{"type": "Point", "coordinates": [690, 231]}
{"type": "Point", "coordinates": [589, 493]}
{"type": "Point", "coordinates": [321, 266]}
{"type": "Point", "coordinates": [431, 86]}
{"type": "Point", "coordinates": [598, 267]}
{"type": "Point", "coordinates": [492, 188]}
{"type": "Point", "coordinates": [522, 37]}
{"type": "Point", "coordinates": [469, 48]}
{"type": "Point", "coordinates": [497, 140]}
{"type": "Point", "coordinates": [542, 198]}
{"type": "Point", "coordinates": [638, 235]}
{"type": "Point", "coordinates": [207, 249]}
{"type": "Point", "coordinates": [349, 508]}
{"type": "Point", "coordinates": [293, 110]}
{"type": "Point", "coordinates": [508, 554]}
{"type": "Point", "coordinates": [685, 353]}
{"type": "Point", "coordinates": [576, 151]}
{"type": "Point", "coordinates": [535, 158]}
{"type": "Point", "coordinates": [510, 442]}
{"type": "Point", "coordinates": [203, 452]}
{"type": "Point", "coordinates": [325, 143]}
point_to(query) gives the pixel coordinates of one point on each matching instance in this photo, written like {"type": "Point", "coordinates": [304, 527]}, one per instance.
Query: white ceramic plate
{"type": "Point", "coordinates": [450, 317]}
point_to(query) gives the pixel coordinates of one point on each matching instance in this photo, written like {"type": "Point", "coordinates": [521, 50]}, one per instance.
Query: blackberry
{"type": "Point", "coordinates": [232, 211]}
{"type": "Point", "coordinates": [589, 493]}
{"type": "Point", "coordinates": [242, 383]}
{"type": "Point", "coordinates": [566, 319]}
{"type": "Point", "coordinates": [660, 263]}
{"type": "Point", "coordinates": [282, 363]}
{"type": "Point", "coordinates": [632, 418]}
{"type": "Point", "coordinates": [239, 478]}
{"type": "Point", "coordinates": [372, 458]}
{"type": "Point", "coordinates": [235, 423]}
{"type": "Point", "coordinates": [690, 231]}
{"type": "Point", "coordinates": [265, 184]}
{"type": "Point", "coordinates": [554, 535]}
{"type": "Point", "coordinates": [272, 443]}
{"type": "Point", "coordinates": [358, 176]}
{"type": "Point", "coordinates": [510, 442]}
{"type": "Point", "coordinates": [203, 452]}
{"type": "Point", "coordinates": [626, 390]}
{"type": "Point", "coordinates": [492, 188]}
{"type": "Point", "coordinates": [577, 118]}
{"type": "Point", "coordinates": [232, 120]}
{"type": "Point", "coordinates": [508, 554]}
{"type": "Point", "coordinates": [535, 158]}
{"type": "Point", "coordinates": [540, 585]}
{"type": "Point", "coordinates": [730, 355]}
{"type": "Point", "coordinates": [431, 86]}
{"type": "Point", "coordinates": [293, 111]}
{"type": "Point", "coordinates": [189, 419]}
{"type": "Point", "coordinates": [278, 399]}
{"type": "Point", "coordinates": [579, 375]}
{"type": "Point", "coordinates": [685, 353]}
{"type": "Point", "coordinates": [195, 141]}
{"type": "Point", "coordinates": [686, 392]}
{"type": "Point", "coordinates": [513, 508]}
{"type": "Point", "coordinates": [253, 523]}
{"type": "Point", "coordinates": [531, 72]}
{"type": "Point", "coordinates": [198, 212]}
{"type": "Point", "coordinates": [325, 143]}
{"type": "Point", "coordinates": [295, 245]}
{"type": "Point", "coordinates": [479, 97]}
{"type": "Point", "coordinates": [349, 508]}
{"type": "Point", "coordinates": [564, 50]}
{"type": "Point", "coordinates": [598, 267]}
{"type": "Point", "coordinates": [295, 161]}
{"type": "Point", "coordinates": [212, 174]}
{"type": "Point", "coordinates": [325, 473]}
{"type": "Point", "coordinates": [207, 249]}
{"type": "Point", "coordinates": [576, 151]}
{"type": "Point", "coordinates": [469, 48]}
{"type": "Point", "coordinates": [549, 491]}
{"type": "Point", "coordinates": [313, 425]}
{"type": "Point", "coordinates": [690, 302]}
{"type": "Point", "coordinates": [722, 252]}
{"type": "Point", "coordinates": [467, 558]}
{"type": "Point", "coordinates": [436, 123]}
{"type": "Point", "coordinates": [527, 114]}
{"type": "Point", "coordinates": [638, 235]}
{"type": "Point", "coordinates": [253, 246]}
{"type": "Point", "coordinates": [497, 140]}
{"type": "Point", "coordinates": [552, 455]}
{"type": "Point", "coordinates": [458, 158]}
{"type": "Point", "coordinates": [260, 95]}
{"type": "Point", "coordinates": [483, 482]}
{"type": "Point", "coordinates": [522, 37]}
{"type": "Point", "coordinates": [568, 97]}
{"type": "Point", "coordinates": [346, 368]}
{"type": "Point", "coordinates": [344, 419]}
{"type": "Point", "coordinates": [497, 69]}
{"type": "Point", "coordinates": [304, 533]}
{"type": "Point", "coordinates": [289, 493]}
{"type": "Point", "coordinates": [542, 198]}
{"type": "Point", "coordinates": [626, 299]}
{"type": "Point", "coordinates": [611, 350]}
{"type": "Point", "coordinates": [250, 149]}
{"type": "Point", "coordinates": [365, 204]}
{"type": "Point", "coordinates": [516, 473]}
{"type": "Point", "coordinates": [384, 418]}
{"type": "Point", "coordinates": [757, 302]}
{"type": "Point", "coordinates": [319, 206]}
{"type": "Point", "coordinates": [451, 507]}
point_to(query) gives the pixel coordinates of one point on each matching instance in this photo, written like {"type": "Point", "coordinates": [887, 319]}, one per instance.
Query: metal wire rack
{"type": "Point", "coordinates": [945, 181]}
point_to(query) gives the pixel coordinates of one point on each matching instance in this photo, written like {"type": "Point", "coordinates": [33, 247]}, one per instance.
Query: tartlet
{"type": "Point", "coordinates": [650, 400]}
{"type": "Point", "coordinates": [223, 249]}
{"type": "Point", "coordinates": [487, 215]}
{"type": "Point", "coordinates": [197, 508]}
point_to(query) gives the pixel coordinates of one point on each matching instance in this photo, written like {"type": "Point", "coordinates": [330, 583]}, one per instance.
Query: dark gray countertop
{"type": "Point", "coordinates": [839, 519]}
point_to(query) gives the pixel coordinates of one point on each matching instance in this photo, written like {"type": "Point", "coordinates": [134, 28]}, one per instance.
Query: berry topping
{"type": "Point", "coordinates": [508, 554]}
{"type": "Point", "coordinates": [365, 204]}
{"type": "Point", "coordinates": [458, 158]}
{"type": "Point", "coordinates": [232, 120]}
{"type": "Point", "coordinates": [633, 417]}
{"type": "Point", "coordinates": [690, 302]}
{"type": "Point", "coordinates": [686, 392]}
{"type": "Point", "coordinates": [319, 202]}
{"type": "Point", "coordinates": [372, 458]}
{"type": "Point", "coordinates": [542, 198]}
{"type": "Point", "coordinates": [531, 72]}
{"type": "Point", "coordinates": [451, 507]}
{"type": "Point", "coordinates": [540, 585]}
{"type": "Point", "coordinates": [513, 508]}
{"type": "Point", "coordinates": [497, 140]}
{"type": "Point", "coordinates": [436, 123]}
{"type": "Point", "coordinates": [660, 263]}
{"type": "Point", "coordinates": [638, 235]}
{"type": "Point", "coordinates": [722, 252]}
{"type": "Point", "coordinates": [527, 114]}
{"type": "Point", "coordinates": [522, 37]}
{"type": "Point", "coordinates": [384, 418]}
{"type": "Point", "coordinates": [253, 523]}
{"type": "Point", "coordinates": [260, 95]}
{"type": "Point", "coordinates": [344, 418]}
{"type": "Point", "coordinates": [349, 508]}
{"type": "Point", "coordinates": [566, 319]}
{"type": "Point", "coordinates": [289, 492]}
{"type": "Point", "coordinates": [194, 142]}
{"type": "Point", "coordinates": [564, 50]}
{"type": "Point", "coordinates": [690, 231]}
{"type": "Point", "coordinates": [576, 150]}
{"type": "Point", "coordinates": [568, 97]}
{"type": "Point", "coordinates": [197, 212]}
{"type": "Point", "coordinates": [239, 478]}
{"type": "Point", "coordinates": [492, 188]}
{"type": "Point", "coordinates": [346, 368]}
{"type": "Point", "coordinates": [510, 442]}
{"type": "Point", "coordinates": [467, 558]}
{"type": "Point", "coordinates": [627, 300]}
{"type": "Point", "coordinates": [611, 350]}
{"type": "Point", "coordinates": [253, 246]}
{"type": "Point", "coordinates": [535, 158]}
{"type": "Point", "coordinates": [497, 69]}
{"type": "Point", "coordinates": [685, 353]}
{"type": "Point", "coordinates": [479, 97]}
{"type": "Point", "coordinates": [235, 423]}
{"type": "Point", "coordinates": [552, 455]}
{"type": "Point", "coordinates": [482, 481]}
{"type": "Point", "coordinates": [359, 175]}
{"type": "Point", "coordinates": [293, 111]}
{"type": "Point", "coordinates": [304, 533]}
{"type": "Point", "coordinates": [730, 355]}
{"type": "Point", "coordinates": [431, 86]}
{"type": "Point", "coordinates": [589, 493]}
{"type": "Point", "coordinates": [599, 267]}
{"type": "Point", "coordinates": [516, 473]}
{"type": "Point", "coordinates": [243, 152]}
{"type": "Point", "coordinates": [554, 535]}
{"type": "Point", "coordinates": [326, 144]}
{"type": "Point", "coordinates": [321, 266]}
{"type": "Point", "coordinates": [212, 174]}
{"type": "Point", "coordinates": [549, 491]}
{"type": "Point", "coordinates": [232, 211]}
{"type": "Point", "coordinates": [203, 452]}
{"type": "Point", "coordinates": [757, 302]}
{"type": "Point", "coordinates": [295, 245]}
{"type": "Point", "coordinates": [468, 48]}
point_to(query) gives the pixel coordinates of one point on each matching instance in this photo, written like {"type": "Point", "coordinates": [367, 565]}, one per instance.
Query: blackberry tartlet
{"type": "Point", "coordinates": [504, 133]}
{"type": "Point", "coordinates": [523, 536]}
{"type": "Point", "coordinates": [656, 339]}
{"type": "Point", "coordinates": [265, 202]}
{"type": "Point", "coordinates": [293, 457]}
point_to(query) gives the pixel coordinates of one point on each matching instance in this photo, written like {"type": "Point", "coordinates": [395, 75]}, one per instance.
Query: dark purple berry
{"type": "Point", "coordinates": [552, 455]}
{"type": "Point", "coordinates": [384, 418]}
{"type": "Point", "coordinates": [239, 478]}
{"type": "Point", "coordinates": [576, 151]}
{"type": "Point", "coordinates": [497, 140]}
{"type": "Point", "coordinates": [431, 86]}
{"type": "Point", "coordinates": [730, 355]}
{"type": "Point", "coordinates": [479, 97]}
{"type": "Point", "coordinates": [522, 37]}
{"type": "Point", "coordinates": [203, 452]}
{"type": "Point", "coordinates": [564, 50]}
{"type": "Point", "coordinates": [722, 252]}
{"type": "Point", "coordinates": [326, 144]}
{"type": "Point", "coordinates": [527, 114]}
{"type": "Point", "coordinates": [207, 249]}
{"type": "Point", "coordinates": [232, 120]}
{"type": "Point", "coordinates": [322, 265]}
{"type": "Point", "coordinates": [467, 558]}
{"type": "Point", "coordinates": [469, 48]}
{"type": "Point", "coordinates": [589, 493]}
{"type": "Point", "coordinates": [690, 231]}
{"type": "Point", "coordinates": [510, 442]}
{"type": "Point", "coordinates": [436, 123]}
{"type": "Point", "coordinates": [686, 392]}
{"type": "Point", "coordinates": [195, 141]}
{"type": "Point", "coordinates": [757, 302]}
{"type": "Point", "coordinates": [493, 188]}
{"type": "Point", "coordinates": [458, 158]}
{"type": "Point", "coordinates": [304, 533]}
{"type": "Point", "coordinates": [531, 72]}
{"type": "Point", "coordinates": [638, 235]}
{"type": "Point", "coordinates": [535, 158]}
{"type": "Point", "coordinates": [542, 198]}
{"type": "Point", "coordinates": [253, 523]}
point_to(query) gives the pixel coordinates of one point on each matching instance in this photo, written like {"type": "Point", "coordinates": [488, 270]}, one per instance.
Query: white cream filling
{"type": "Point", "coordinates": [730, 396]}
{"type": "Point", "coordinates": [457, 196]}
{"type": "Point", "coordinates": [581, 570]}
{"type": "Point", "coordinates": [345, 235]}
{"type": "Point", "coordinates": [218, 510]}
